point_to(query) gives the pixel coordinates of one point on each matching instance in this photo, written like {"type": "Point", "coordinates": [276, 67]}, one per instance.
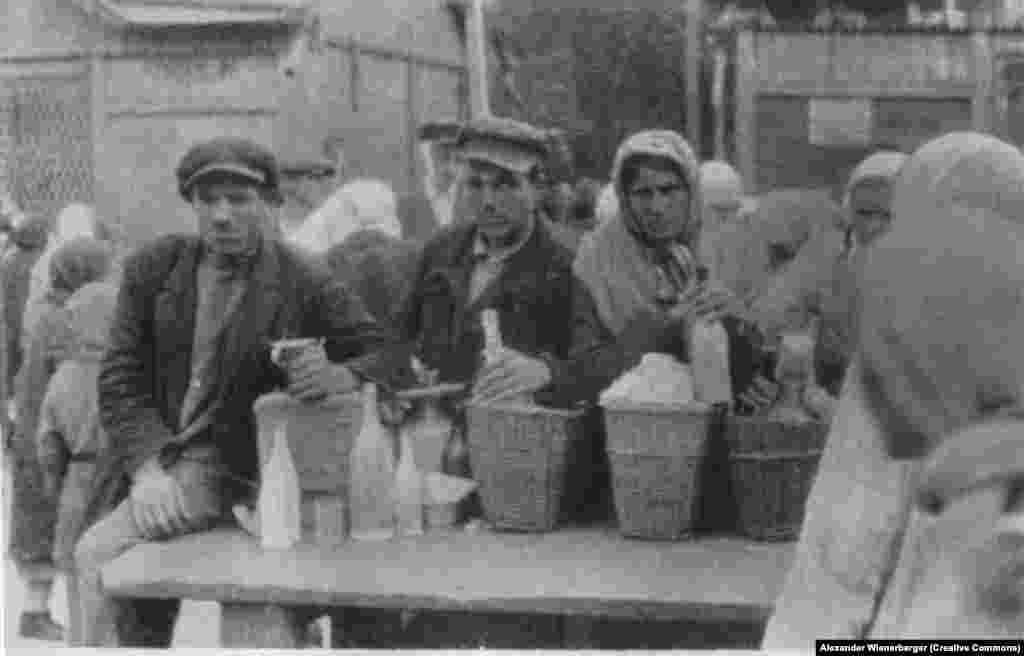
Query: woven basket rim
{"type": "Point", "coordinates": [527, 409]}
{"type": "Point", "coordinates": [741, 419]}
{"type": "Point", "coordinates": [283, 401]}
{"type": "Point", "coordinates": [689, 408]}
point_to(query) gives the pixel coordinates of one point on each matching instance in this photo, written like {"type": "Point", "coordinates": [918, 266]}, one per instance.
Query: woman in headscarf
{"type": "Point", "coordinates": [946, 274]}
{"type": "Point", "coordinates": [641, 266]}
{"type": "Point", "coordinates": [74, 221]}
{"type": "Point", "coordinates": [33, 513]}
{"type": "Point", "coordinates": [69, 435]}
{"type": "Point", "coordinates": [819, 281]}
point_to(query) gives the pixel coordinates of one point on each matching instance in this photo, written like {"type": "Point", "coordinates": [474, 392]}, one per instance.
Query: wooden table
{"type": "Point", "coordinates": [580, 573]}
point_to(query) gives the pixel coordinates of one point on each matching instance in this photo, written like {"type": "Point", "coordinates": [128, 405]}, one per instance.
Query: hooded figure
{"type": "Point", "coordinates": [868, 197]}
{"type": "Point", "coordinates": [74, 221]}
{"type": "Point", "coordinates": [69, 435]}
{"type": "Point", "coordinates": [27, 242]}
{"type": "Point", "coordinates": [33, 512]}
{"type": "Point", "coordinates": [726, 220]}
{"type": "Point", "coordinates": [359, 205]}
{"type": "Point", "coordinates": [960, 216]}
{"type": "Point", "coordinates": [868, 564]}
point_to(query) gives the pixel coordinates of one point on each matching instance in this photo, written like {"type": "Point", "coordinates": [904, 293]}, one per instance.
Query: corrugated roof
{"type": "Point", "coordinates": [168, 13]}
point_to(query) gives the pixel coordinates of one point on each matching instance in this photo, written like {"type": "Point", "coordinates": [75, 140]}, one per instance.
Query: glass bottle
{"type": "Point", "coordinates": [372, 475]}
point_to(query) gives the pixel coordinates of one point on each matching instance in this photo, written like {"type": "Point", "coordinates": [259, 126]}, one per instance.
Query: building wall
{"type": "Point", "coordinates": [154, 107]}
{"type": "Point", "coordinates": [145, 95]}
{"type": "Point", "coordinates": [811, 105]}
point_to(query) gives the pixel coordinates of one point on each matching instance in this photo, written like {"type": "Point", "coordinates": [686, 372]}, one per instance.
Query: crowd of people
{"type": "Point", "coordinates": [132, 372]}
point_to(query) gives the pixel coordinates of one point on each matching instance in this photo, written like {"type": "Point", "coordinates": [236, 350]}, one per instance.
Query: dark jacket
{"type": "Point", "coordinates": [378, 267]}
{"type": "Point", "coordinates": [16, 271]}
{"type": "Point", "coordinates": [146, 370]}
{"type": "Point", "coordinates": [544, 311]}
{"type": "Point", "coordinates": [417, 217]}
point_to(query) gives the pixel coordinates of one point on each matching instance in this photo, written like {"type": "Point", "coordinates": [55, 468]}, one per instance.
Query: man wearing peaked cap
{"type": "Point", "coordinates": [189, 353]}
{"type": "Point", "coordinates": [500, 255]}
{"type": "Point", "coordinates": [422, 211]}
{"type": "Point", "coordinates": [306, 184]}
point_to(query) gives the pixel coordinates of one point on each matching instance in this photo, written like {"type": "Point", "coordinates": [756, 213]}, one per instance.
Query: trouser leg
{"type": "Point", "coordinates": [138, 622]}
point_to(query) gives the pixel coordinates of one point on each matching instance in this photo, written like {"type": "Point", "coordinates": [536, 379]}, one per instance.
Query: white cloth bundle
{"type": "Point", "coordinates": [658, 379]}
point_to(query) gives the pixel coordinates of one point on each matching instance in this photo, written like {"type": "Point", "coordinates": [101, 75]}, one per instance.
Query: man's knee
{"type": "Point", "coordinates": [105, 540]}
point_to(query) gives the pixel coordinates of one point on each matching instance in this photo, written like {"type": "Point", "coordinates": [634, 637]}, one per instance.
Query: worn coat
{"type": "Point", "coordinates": [378, 267]}
{"type": "Point", "coordinates": [417, 216]}
{"type": "Point", "coordinates": [27, 243]}
{"type": "Point", "coordinates": [146, 371]}
{"type": "Point", "coordinates": [544, 311]}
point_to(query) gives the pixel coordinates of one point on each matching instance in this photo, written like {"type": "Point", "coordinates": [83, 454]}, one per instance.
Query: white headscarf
{"type": "Point", "coordinates": [74, 221]}
{"type": "Point", "coordinates": [362, 204]}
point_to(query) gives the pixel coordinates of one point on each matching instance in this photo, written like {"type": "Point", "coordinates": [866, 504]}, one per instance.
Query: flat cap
{"type": "Point", "coordinates": [504, 142]}
{"type": "Point", "coordinates": [229, 155]}
{"type": "Point", "coordinates": [439, 131]}
{"type": "Point", "coordinates": [308, 166]}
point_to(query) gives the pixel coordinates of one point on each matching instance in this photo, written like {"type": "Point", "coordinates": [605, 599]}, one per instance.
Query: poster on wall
{"type": "Point", "coordinates": [840, 121]}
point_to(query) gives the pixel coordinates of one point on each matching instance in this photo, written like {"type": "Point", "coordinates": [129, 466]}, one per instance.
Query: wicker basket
{"type": "Point", "coordinates": [656, 454]}
{"type": "Point", "coordinates": [320, 436]}
{"type": "Point", "coordinates": [772, 465]}
{"type": "Point", "coordinates": [522, 457]}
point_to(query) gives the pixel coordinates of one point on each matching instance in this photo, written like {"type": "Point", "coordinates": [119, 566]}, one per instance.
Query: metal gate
{"type": "Point", "coordinates": [49, 142]}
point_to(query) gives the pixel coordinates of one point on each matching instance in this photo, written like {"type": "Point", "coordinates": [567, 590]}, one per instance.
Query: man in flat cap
{"type": "Point", "coordinates": [500, 254]}
{"type": "Point", "coordinates": [423, 211]}
{"type": "Point", "coordinates": [189, 354]}
{"type": "Point", "coordinates": [306, 183]}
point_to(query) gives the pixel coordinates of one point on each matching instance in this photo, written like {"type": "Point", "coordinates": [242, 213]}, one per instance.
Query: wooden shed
{"type": "Point", "coordinates": [810, 105]}
{"type": "Point", "coordinates": [99, 99]}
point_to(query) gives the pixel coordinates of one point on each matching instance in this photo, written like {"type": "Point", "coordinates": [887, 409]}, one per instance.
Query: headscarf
{"type": "Point", "coordinates": [948, 273]}
{"type": "Point", "coordinates": [883, 166]}
{"type": "Point", "coordinates": [793, 239]}
{"type": "Point", "coordinates": [864, 556]}
{"type": "Point", "coordinates": [362, 204]}
{"type": "Point", "coordinates": [720, 184]}
{"type": "Point", "coordinates": [75, 220]}
{"type": "Point", "coordinates": [624, 269]}
{"type": "Point", "coordinates": [90, 311]}
{"type": "Point", "coordinates": [941, 339]}
{"type": "Point", "coordinates": [78, 262]}
{"type": "Point", "coordinates": [720, 245]}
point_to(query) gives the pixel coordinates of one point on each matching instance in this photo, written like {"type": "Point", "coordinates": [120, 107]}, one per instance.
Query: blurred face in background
{"type": "Point", "coordinates": [307, 190]}
{"type": "Point", "coordinates": [501, 202]}
{"type": "Point", "coordinates": [870, 205]}
{"type": "Point", "coordinates": [439, 166]}
{"type": "Point", "coordinates": [723, 212]}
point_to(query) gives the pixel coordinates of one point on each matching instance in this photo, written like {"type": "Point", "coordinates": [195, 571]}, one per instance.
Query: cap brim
{"type": "Point", "coordinates": [502, 155]}
{"type": "Point", "coordinates": [229, 168]}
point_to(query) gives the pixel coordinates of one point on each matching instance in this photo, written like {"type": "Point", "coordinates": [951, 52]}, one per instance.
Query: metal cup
{"type": "Point", "coordinates": [285, 351]}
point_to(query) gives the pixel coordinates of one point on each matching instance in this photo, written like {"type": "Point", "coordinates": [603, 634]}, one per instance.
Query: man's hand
{"type": "Point", "coordinates": [312, 377]}
{"type": "Point", "coordinates": [158, 502]}
{"type": "Point", "coordinates": [511, 374]}
{"type": "Point", "coordinates": [707, 302]}
{"type": "Point", "coordinates": [760, 396]}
